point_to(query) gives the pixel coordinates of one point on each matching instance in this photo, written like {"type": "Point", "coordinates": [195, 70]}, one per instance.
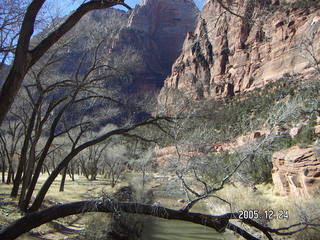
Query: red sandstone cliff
{"type": "Point", "coordinates": [296, 172]}
{"type": "Point", "coordinates": [227, 55]}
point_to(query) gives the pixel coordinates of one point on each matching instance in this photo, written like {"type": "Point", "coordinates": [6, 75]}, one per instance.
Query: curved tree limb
{"type": "Point", "coordinates": [219, 223]}
{"type": "Point", "coordinates": [35, 219]}
{"type": "Point", "coordinates": [121, 131]}
{"type": "Point", "coordinates": [72, 20]}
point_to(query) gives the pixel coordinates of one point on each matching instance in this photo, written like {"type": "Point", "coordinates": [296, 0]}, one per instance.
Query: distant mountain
{"type": "Point", "coordinates": [156, 30]}
{"type": "Point", "coordinates": [93, 27]}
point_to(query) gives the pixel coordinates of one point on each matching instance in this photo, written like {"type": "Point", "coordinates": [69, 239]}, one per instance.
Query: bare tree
{"type": "Point", "coordinates": [218, 222]}
{"type": "Point", "coordinates": [66, 107]}
{"type": "Point", "coordinates": [190, 171]}
{"type": "Point", "coordinates": [25, 57]}
{"type": "Point", "coordinates": [11, 16]}
{"type": "Point", "coordinates": [142, 159]}
{"type": "Point", "coordinates": [51, 105]}
{"type": "Point", "coordinates": [90, 160]}
{"type": "Point", "coordinates": [10, 140]}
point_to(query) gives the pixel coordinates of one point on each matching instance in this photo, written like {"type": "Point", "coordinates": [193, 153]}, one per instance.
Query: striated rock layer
{"type": "Point", "coordinates": [156, 30]}
{"type": "Point", "coordinates": [296, 172]}
{"type": "Point", "coordinates": [228, 55]}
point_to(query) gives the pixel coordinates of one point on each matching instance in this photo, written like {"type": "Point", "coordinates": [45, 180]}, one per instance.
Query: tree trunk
{"type": "Point", "coordinates": [9, 175]}
{"type": "Point", "coordinates": [27, 176]}
{"type": "Point", "coordinates": [84, 172]}
{"type": "Point", "coordinates": [46, 169]}
{"type": "Point", "coordinates": [63, 179]}
{"type": "Point", "coordinates": [93, 176]}
{"type": "Point", "coordinates": [143, 178]}
{"type": "Point", "coordinates": [3, 171]}
{"type": "Point", "coordinates": [24, 151]}
{"type": "Point", "coordinates": [10, 170]}
{"type": "Point", "coordinates": [12, 175]}
{"type": "Point", "coordinates": [71, 173]}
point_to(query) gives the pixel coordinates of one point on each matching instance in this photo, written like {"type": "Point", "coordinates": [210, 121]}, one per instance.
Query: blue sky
{"type": "Point", "coordinates": [66, 6]}
{"type": "Point", "coordinates": [132, 3]}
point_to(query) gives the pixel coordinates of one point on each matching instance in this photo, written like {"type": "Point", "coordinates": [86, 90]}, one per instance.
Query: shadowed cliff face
{"type": "Point", "coordinates": [228, 55]}
{"type": "Point", "coordinates": [156, 30]}
{"type": "Point", "coordinates": [144, 42]}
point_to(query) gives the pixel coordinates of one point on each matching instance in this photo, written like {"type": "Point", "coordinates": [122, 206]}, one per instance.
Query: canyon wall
{"type": "Point", "coordinates": [228, 55]}
{"type": "Point", "coordinates": [242, 46]}
{"type": "Point", "coordinates": [156, 30]}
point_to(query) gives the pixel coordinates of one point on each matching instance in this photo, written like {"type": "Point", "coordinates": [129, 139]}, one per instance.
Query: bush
{"type": "Point", "coordinates": [96, 227]}
{"type": "Point", "coordinates": [282, 142]}
{"type": "Point", "coordinates": [256, 169]}
{"type": "Point", "coordinates": [306, 137]}
{"type": "Point", "coordinates": [119, 225]}
{"type": "Point", "coordinates": [230, 118]}
{"type": "Point", "coordinates": [304, 4]}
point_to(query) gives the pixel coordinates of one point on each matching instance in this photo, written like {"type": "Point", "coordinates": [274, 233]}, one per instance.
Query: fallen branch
{"type": "Point", "coordinates": [35, 219]}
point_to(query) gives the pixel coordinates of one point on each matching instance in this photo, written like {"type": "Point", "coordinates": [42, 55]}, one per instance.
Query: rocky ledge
{"type": "Point", "coordinates": [296, 172]}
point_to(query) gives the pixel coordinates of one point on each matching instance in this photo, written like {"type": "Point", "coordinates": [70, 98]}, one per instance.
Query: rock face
{"type": "Point", "coordinates": [296, 172]}
{"type": "Point", "coordinates": [156, 29]}
{"type": "Point", "coordinates": [229, 55]}
{"type": "Point", "coordinates": [95, 26]}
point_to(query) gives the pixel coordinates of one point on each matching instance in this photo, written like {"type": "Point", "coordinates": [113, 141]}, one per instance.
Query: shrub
{"type": "Point", "coordinates": [118, 225]}
{"type": "Point", "coordinates": [304, 3]}
{"type": "Point", "coordinates": [282, 142]}
{"type": "Point", "coordinates": [306, 135]}
{"type": "Point", "coordinates": [96, 227]}
{"type": "Point", "coordinates": [256, 169]}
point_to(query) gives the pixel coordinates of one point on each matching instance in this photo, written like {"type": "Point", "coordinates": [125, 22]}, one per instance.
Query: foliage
{"type": "Point", "coordinates": [95, 228]}
{"type": "Point", "coordinates": [282, 142]}
{"type": "Point", "coordinates": [119, 225]}
{"type": "Point", "coordinates": [254, 171]}
{"type": "Point", "coordinates": [230, 118]}
{"type": "Point", "coordinates": [303, 4]}
{"type": "Point", "coordinates": [274, 110]}
{"type": "Point", "coordinates": [306, 136]}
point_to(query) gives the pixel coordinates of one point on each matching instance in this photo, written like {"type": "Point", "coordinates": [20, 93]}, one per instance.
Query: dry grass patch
{"type": "Point", "coordinates": [263, 199]}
